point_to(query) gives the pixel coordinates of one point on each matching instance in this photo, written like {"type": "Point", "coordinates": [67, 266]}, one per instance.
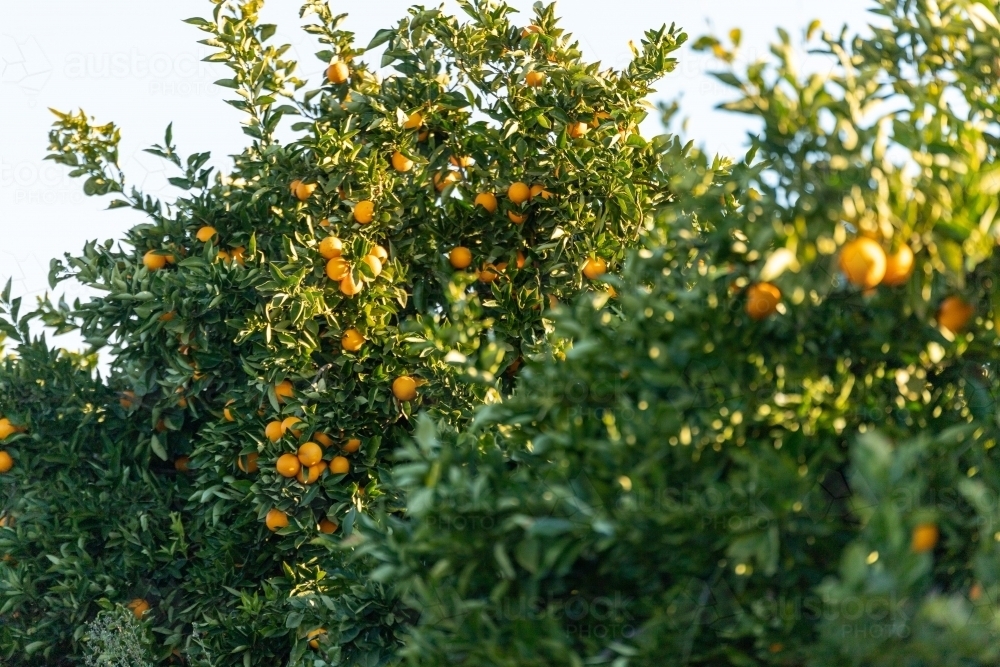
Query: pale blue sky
{"type": "Point", "coordinates": [135, 63]}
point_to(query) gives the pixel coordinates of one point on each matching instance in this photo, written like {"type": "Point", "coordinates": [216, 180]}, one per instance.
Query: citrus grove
{"type": "Point", "coordinates": [472, 373]}
{"type": "Point", "coordinates": [274, 330]}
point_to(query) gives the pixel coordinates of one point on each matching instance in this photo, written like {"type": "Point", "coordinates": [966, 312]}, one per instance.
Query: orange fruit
{"type": "Point", "coordinates": [205, 234]}
{"type": "Point", "coordinates": [283, 390]}
{"type": "Point", "coordinates": [595, 267]}
{"type": "Point", "coordinates": [161, 426]}
{"type": "Point", "coordinates": [348, 287]}
{"type": "Point", "coordinates": [237, 255]}
{"type": "Point", "coordinates": [153, 262]}
{"type": "Point", "coordinates": [404, 388]}
{"type": "Point", "coordinates": [310, 454]}
{"type": "Point", "coordinates": [181, 463]}
{"type": "Point", "coordinates": [166, 317]}
{"type": "Point", "coordinates": [577, 130]}
{"type": "Point", "coordinates": [323, 439]}
{"type": "Point", "coordinates": [863, 262]}
{"type": "Point", "coordinates": [352, 340]}
{"type": "Point", "coordinates": [273, 431]}
{"type": "Point", "coordinates": [924, 537]}
{"type": "Point", "coordinates": [275, 519]}
{"type": "Point", "coordinates": [414, 121]}
{"type": "Point", "coordinates": [491, 272]}
{"type": "Point", "coordinates": [337, 268]}
{"type": "Point", "coordinates": [327, 526]}
{"type": "Point", "coordinates": [598, 117]}
{"type": "Point", "coordinates": [538, 189]}
{"type": "Point", "coordinates": [444, 179]}
{"type": "Point", "coordinates": [352, 445]}
{"type": "Point", "coordinates": [374, 263]}
{"type": "Point", "coordinates": [331, 247]}
{"type": "Point", "coordinates": [531, 30]}
{"type": "Point", "coordinates": [535, 79]}
{"type": "Point", "coordinates": [517, 218]}
{"type": "Point", "coordinates": [7, 429]}
{"type": "Point", "coordinates": [954, 313]}
{"type": "Point", "coordinates": [248, 463]}
{"type": "Point", "coordinates": [303, 191]}
{"type": "Point", "coordinates": [338, 72]}
{"type": "Point", "coordinates": [314, 636]}
{"type": "Point", "coordinates": [309, 475]}
{"type": "Point", "coordinates": [138, 607]}
{"type": "Point", "coordinates": [286, 426]}
{"type": "Point", "coordinates": [364, 211]}
{"type": "Point", "coordinates": [6, 461]}
{"type": "Point", "coordinates": [381, 253]}
{"type": "Point", "coordinates": [288, 465]}
{"type": "Point", "coordinates": [518, 192]}
{"type": "Point", "coordinates": [898, 266]}
{"type": "Point", "coordinates": [762, 300]}
{"type": "Point", "coordinates": [223, 255]}
{"type": "Point", "coordinates": [324, 222]}
{"type": "Point", "coordinates": [460, 257]}
{"type": "Point", "coordinates": [461, 161]}
{"type": "Point", "coordinates": [487, 200]}
{"type": "Point", "coordinates": [226, 414]}
{"type": "Point", "coordinates": [520, 260]}
{"type": "Point", "coordinates": [400, 162]}
{"type": "Point", "coordinates": [339, 465]}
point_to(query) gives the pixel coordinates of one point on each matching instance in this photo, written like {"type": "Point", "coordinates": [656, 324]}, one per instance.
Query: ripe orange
{"type": "Point", "coordinates": [338, 72]}
{"type": "Point", "coordinates": [924, 537]}
{"type": "Point", "coordinates": [348, 287]}
{"type": "Point", "coordinates": [138, 607]}
{"type": "Point", "coordinates": [205, 234]}
{"type": "Point", "coordinates": [461, 161]}
{"type": "Point", "coordinates": [310, 454]}
{"type": "Point", "coordinates": [331, 247]}
{"type": "Point", "coordinates": [161, 426]}
{"type": "Point", "coordinates": [762, 300]}
{"type": "Point", "coordinates": [577, 130]}
{"type": "Point", "coordinates": [314, 636]}
{"type": "Point", "coordinates": [352, 445]}
{"type": "Point", "coordinates": [381, 253]}
{"type": "Point", "coordinates": [226, 413]}
{"type": "Point", "coordinates": [223, 255]}
{"type": "Point", "coordinates": [6, 461]}
{"type": "Point", "coordinates": [166, 317]}
{"type": "Point", "coordinates": [323, 439]}
{"type": "Point", "coordinates": [181, 463]}
{"type": "Point", "coordinates": [460, 257]}
{"type": "Point", "coordinates": [535, 79]}
{"type": "Point", "coordinates": [954, 313]}
{"type": "Point", "coordinates": [275, 519]}
{"type": "Point", "coordinates": [400, 162]}
{"type": "Point", "coordinates": [374, 263]}
{"type": "Point", "coordinates": [595, 267]}
{"type": "Point", "coordinates": [7, 429]}
{"type": "Point", "coordinates": [237, 255]}
{"type": "Point", "coordinates": [286, 426]}
{"type": "Point", "coordinates": [324, 222]}
{"type": "Point", "coordinates": [327, 526]}
{"type": "Point", "coordinates": [538, 189]}
{"type": "Point", "coordinates": [364, 211]}
{"type": "Point", "coordinates": [248, 463]}
{"type": "Point", "coordinates": [339, 465]}
{"type": "Point", "coordinates": [311, 474]}
{"type": "Point", "coordinates": [898, 266]}
{"type": "Point", "coordinates": [517, 218]}
{"type": "Point", "coordinates": [337, 268]}
{"type": "Point", "coordinates": [153, 262]}
{"type": "Point", "coordinates": [487, 200]}
{"type": "Point", "coordinates": [414, 121]}
{"type": "Point", "coordinates": [273, 431]}
{"type": "Point", "coordinates": [404, 388]}
{"type": "Point", "coordinates": [283, 390]}
{"type": "Point", "coordinates": [288, 465]}
{"type": "Point", "coordinates": [531, 29]}
{"type": "Point", "coordinates": [863, 262]}
{"type": "Point", "coordinates": [444, 179]}
{"type": "Point", "coordinates": [518, 192]}
{"type": "Point", "coordinates": [352, 340]}
{"type": "Point", "coordinates": [303, 191]}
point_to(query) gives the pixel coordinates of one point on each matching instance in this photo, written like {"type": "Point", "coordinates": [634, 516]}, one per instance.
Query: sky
{"type": "Point", "coordinates": [136, 63]}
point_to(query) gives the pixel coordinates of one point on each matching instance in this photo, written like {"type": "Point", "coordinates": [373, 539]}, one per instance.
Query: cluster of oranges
{"type": "Point", "coordinates": [866, 265]}
{"type": "Point", "coordinates": [7, 429]}
{"type": "Point", "coordinates": [340, 270]}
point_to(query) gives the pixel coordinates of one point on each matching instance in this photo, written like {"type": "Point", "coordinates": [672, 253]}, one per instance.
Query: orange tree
{"type": "Point", "coordinates": [272, 330]}
{"type": "Point", "coordinates": [777, 446]}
